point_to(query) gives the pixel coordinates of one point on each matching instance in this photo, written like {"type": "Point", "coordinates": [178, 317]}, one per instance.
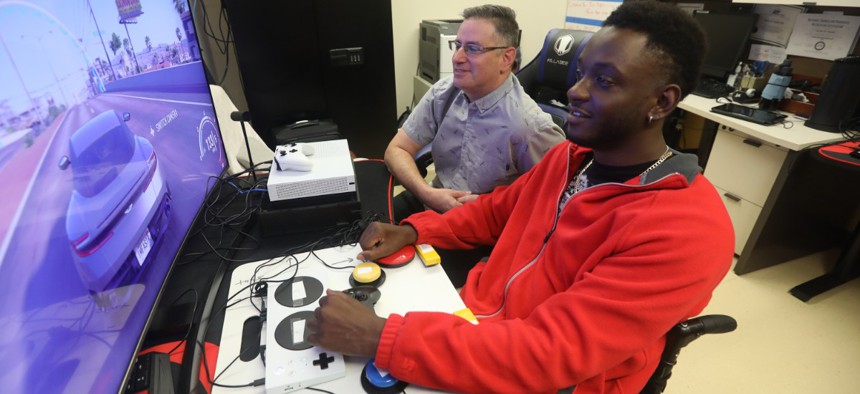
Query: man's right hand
{"type": "Point", "coordinates": [442, 200]}
{"type": "Point", "coordinates": [382, 239]}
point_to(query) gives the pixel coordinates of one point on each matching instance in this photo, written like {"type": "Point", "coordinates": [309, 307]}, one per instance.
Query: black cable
{"type": "Point", "coordinates": [332, 266]}
{"type": "Point", "coordinates": [215, 219]}
{"type": "Point", "coordinates": [226, 57]}
{"type": "Point", "coordinates": [320, 390]}
{"type": "Point", "coordinates": [241, 351]}
{"type": "Point", "coordinates": [223, 42]}
{"type": "Point", "coordinates": [227, 303]}
{"type": "Point", "coordinates": [217, 311]}
{"type": "Point", "coordinates": [850, 129]}
{"type": "Point", "coordinates": [193, 313]}
{"type": "Point", "coordinates": [213, 381]}
{"type": "Point", "coordinates": [349, 233]}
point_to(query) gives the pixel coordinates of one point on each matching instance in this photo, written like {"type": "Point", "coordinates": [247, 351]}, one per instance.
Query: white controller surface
{"type": "Point", "coordinates": [294, 157]}
{"type": "Point", "coordinates": [292, 363]}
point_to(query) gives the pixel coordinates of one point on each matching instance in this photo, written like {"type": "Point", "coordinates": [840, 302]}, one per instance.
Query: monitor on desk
{"type": "Point", "coordinates": [727, 37]}
{"type": "Point", "coordinates": [108, 141]}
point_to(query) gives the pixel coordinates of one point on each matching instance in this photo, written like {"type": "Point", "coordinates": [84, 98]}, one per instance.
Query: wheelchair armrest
{"type": "Point", "coordinates": [680, 336]}
{"type": "Point", "coordinates": [688, 331]}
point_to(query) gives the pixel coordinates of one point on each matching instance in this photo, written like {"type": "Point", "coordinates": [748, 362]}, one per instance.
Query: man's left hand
{"type": "Point", "coordinates": [344, 325]}
{"type": "Point", "coordinates": [468, 198]}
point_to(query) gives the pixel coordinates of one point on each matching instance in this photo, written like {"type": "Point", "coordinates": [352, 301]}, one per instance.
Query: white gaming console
{"type": "Point", "coordinates": [296, 173]}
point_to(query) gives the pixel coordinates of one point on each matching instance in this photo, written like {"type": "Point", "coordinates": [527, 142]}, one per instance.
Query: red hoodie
{"type": "Point", "coordinates": [583, 298]}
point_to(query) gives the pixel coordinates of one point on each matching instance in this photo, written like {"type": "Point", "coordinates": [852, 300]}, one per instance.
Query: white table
{"type": "Point", "coordinates": [412, 287]}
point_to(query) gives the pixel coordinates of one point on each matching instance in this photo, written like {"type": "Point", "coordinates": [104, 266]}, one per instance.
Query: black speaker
{"type": "Point", "coordinates": [840, 96]}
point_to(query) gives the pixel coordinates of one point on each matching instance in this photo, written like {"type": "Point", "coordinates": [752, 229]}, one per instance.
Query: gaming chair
{"type": "Point", "coordinates": [552, 72]}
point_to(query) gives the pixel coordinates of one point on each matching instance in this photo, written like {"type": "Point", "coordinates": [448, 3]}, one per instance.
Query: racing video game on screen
{"type": "Point", "coordinates": [108, 142]}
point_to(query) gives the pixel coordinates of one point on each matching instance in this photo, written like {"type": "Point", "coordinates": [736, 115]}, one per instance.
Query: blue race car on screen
{"type": "Point", "coordinates": [120, 206]}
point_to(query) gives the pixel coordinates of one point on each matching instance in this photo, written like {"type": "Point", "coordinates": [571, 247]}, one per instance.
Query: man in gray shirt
{"type": "Point", "coordinates": [485, 130]}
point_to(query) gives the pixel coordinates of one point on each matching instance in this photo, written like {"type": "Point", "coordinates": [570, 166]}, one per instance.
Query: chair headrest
{"type": "Point", "coordinates": [557, 59]}
{"type": "Point", "coordinates": [553, 71]}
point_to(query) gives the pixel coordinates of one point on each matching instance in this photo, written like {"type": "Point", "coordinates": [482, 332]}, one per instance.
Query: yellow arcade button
{"type": "Point", "coordinates": [365, 273]}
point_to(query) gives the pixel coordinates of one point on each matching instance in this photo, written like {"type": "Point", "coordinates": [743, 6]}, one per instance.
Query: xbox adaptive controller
{"type": "Point", "coordinates": [367, 295]}
{"type": "Point", "coordinates": [294, 156]}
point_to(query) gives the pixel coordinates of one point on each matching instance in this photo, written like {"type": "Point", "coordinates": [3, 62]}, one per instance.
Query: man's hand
{"type": "Point", "coordinates": [442, 200]}
{"type": "Point", "coordinates": [344, 325]}
{"type": "Point", "coordinates": [468, 198]}
{"type": "Point", "coordinates": [382, 239]}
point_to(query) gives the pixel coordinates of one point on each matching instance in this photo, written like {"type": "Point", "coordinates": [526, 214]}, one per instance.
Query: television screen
{"type": "Point", "coordinates": [728, 36]}
{"type": "Point", "coordinates": [108, 139]}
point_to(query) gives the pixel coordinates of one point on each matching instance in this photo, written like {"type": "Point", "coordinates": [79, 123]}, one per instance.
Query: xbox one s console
{"type": "Point", "coordinates": [311, 169]}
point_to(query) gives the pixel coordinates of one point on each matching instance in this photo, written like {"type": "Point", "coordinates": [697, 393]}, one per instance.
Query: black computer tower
{"type": "Point", "coordinates": [318, 59]}
{"type": "Point", "coordinates": [840, 96]}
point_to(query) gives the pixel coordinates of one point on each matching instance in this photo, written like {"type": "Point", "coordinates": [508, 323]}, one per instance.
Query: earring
{"type": "Point", "coordinates": [650, 118]}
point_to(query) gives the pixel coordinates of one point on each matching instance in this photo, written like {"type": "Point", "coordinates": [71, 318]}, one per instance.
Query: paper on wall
{"type": "Point", "coordinates": [775, 23]}
{"type": "Point", "coordinates": [769, 53]}
{"type": "Point", "coordinates": [823, 36]}
{"type": "Point", "coordinates": [588, 15]}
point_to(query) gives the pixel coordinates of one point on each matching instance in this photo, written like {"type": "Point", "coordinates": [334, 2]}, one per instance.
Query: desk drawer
{"type": "Point", "coordinates": [743, 214]}
{"type": "Point", "coordinates": [744, 166]}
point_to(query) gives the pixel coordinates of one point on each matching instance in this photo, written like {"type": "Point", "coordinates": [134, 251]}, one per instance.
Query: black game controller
{"type": "Point", "coordinates": [367, 295]}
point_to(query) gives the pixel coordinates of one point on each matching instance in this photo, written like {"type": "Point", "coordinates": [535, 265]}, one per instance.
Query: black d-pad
{"type": "Point", "coordinates": [323, 360]}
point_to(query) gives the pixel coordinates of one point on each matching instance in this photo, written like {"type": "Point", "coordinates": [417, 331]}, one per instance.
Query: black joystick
{"type": "Point", "coordinates": [367, 295]}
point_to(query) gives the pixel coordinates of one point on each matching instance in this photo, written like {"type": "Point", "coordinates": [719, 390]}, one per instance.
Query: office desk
{"type": "Point", "coordinates": [757, 170]}
{"type": "Point", "coordinates": [407, 288]}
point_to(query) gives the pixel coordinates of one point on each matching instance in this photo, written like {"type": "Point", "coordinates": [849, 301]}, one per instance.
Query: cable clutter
{"type": "Point", "coordinates": [274, 282]}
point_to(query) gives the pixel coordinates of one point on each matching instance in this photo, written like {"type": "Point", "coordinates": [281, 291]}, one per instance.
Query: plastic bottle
{"type": "Point", "coordinates": [776, 85]}
{"type": "Point", "coordinates": [733, 78]}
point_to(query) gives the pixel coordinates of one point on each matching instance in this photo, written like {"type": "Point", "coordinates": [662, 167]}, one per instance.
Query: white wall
{"type": "Point", "coordinates": [535, 18]}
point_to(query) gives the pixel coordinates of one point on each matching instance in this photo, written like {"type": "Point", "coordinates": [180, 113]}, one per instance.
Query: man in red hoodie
{"type": "Point", "coordinates": [607, 243]}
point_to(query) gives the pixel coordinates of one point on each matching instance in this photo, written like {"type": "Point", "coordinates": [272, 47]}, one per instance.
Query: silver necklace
{"type": "Point", "coordinates": [581, 183]}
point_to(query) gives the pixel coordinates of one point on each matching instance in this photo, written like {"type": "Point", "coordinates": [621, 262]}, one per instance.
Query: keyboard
{"type": "Point", "coordinates": [712, 88]}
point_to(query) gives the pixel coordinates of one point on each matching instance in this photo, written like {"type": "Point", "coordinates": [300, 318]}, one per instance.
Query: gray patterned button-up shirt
{"type": "Point", "coordinates": [485, 143]}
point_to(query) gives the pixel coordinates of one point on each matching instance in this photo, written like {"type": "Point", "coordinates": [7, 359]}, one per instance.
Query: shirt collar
{"type": "Point", "coordinates": [489, 100]}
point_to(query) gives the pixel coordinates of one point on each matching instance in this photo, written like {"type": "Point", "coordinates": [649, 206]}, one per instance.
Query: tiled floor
{"type": "Point", "coordinates": [781, 345]}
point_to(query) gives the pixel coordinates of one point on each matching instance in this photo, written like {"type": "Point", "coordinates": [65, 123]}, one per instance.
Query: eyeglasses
{"type": "Point", "coordinates": [471, 49]}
